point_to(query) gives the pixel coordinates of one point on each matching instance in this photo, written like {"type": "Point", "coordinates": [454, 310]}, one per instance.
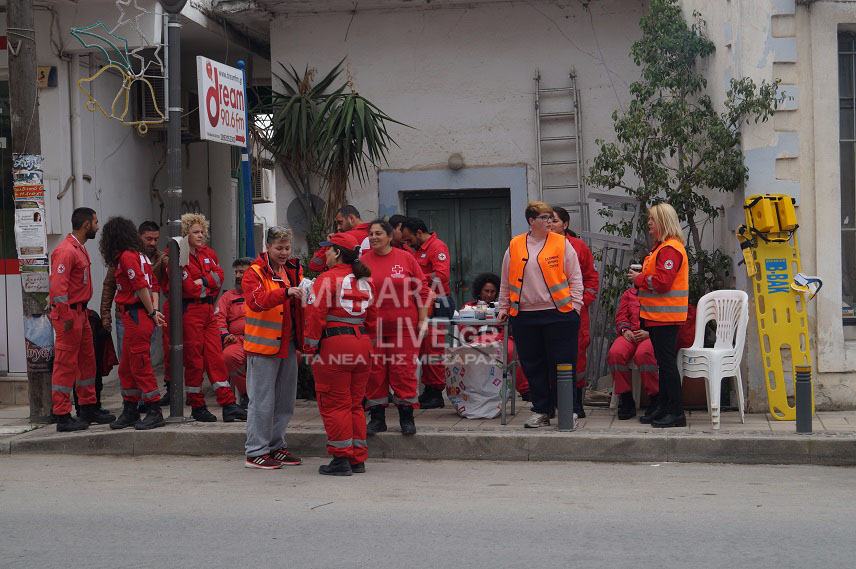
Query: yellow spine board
{"type": "Point", "coordinates": [780, 311]}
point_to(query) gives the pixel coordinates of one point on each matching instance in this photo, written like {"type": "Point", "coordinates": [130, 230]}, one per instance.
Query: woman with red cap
{"type": "Point", "coordinates": [340, 321]}
{"type": "Point", "coordinates": [403, 298]}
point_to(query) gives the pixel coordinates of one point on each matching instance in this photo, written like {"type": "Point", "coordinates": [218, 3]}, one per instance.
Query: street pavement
{"type": "Point", "coordinates": [211, 513]}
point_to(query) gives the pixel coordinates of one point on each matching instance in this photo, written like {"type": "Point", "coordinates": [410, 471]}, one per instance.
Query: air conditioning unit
{"type": "Point", "coordinates": [264, 186]}
{"type": "Point", "coordinates": [259, 230]}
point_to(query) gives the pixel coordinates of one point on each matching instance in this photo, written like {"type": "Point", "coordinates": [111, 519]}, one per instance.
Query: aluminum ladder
{"type": "Point", "coordinates": [559, 142]}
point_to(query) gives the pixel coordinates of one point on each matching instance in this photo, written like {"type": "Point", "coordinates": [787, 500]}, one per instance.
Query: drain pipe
{"type": "Point", "coordinates": [76, 137]}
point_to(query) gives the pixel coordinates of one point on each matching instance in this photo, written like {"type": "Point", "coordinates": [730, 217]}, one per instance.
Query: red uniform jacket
{"type": "Point", "coordinates": [434, 260]}
{"type": "Point", "coordinates": [71, 279]}
{"type": "Point", "coordinates": [260, 300]}
{"type": "Point", "coordinates": [230, 316]}
{"type": "Point", "coordinates": [319, 265]}
{"type": "Point", "coordinates": [401, 287]}
{"type": "Point", "coordinates": [203, 264]}
{"type": "Point", "coordinates": [667, 264]}
{"type": "Point", "coordinates": [339, 299]}
{"type": "Point", "coordinates": [133, 272]}
{"type": "Point", "coordinates": [590, 275]}
{"type": "Point", "coordinates": [627, 318]}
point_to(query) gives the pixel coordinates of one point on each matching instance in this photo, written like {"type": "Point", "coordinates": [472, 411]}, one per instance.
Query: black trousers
{"type": "Point", "coordinates": [543, 339]}
{"type": "Point", "coordinates": [665, 342]}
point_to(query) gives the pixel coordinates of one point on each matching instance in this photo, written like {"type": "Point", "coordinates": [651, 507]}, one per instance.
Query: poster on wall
{"type": "Point", "coordinates": [31, 244]}
{"type": "Point", "coordinates": [222, 108]}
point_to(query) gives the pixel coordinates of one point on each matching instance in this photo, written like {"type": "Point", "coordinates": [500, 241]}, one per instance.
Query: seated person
{"type": "Point", "coordinates": [486, 289]}
{"type": "Point", "coordinates": [633, 345]}
{"type": "Point", "coordinates": [229, 318]}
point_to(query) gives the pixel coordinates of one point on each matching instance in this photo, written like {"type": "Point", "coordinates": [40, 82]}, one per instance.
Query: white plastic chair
{"type": "Point", "coordinates": [730, 310]}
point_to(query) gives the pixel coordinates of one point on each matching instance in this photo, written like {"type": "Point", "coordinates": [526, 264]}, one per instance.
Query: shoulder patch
{"type": "Point", "coordinates": [60, 269]}
{"type": "Point", "coordinates": [668, 264]}
{"type": "Point", "coordinates": [441, 256]}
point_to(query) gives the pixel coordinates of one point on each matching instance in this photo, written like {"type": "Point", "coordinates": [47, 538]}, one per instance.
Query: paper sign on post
{"type": "Point", "coordinates": [222, 104]}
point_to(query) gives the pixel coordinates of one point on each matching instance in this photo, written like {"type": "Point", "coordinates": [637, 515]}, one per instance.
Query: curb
{"type": "Point", "coordinates": [819, 449]}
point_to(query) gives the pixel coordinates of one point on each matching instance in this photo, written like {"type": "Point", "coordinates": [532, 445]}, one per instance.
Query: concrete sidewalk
{"type": "Point", "coordinates": [444, 435]}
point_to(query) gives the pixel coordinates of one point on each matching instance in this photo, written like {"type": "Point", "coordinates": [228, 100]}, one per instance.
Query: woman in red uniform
{"type": "Point", "coordinates": [403, 298]}
{"type": "Point", "coordinates": [121, 248]}
{"type": "Point", "coordinates": [201, 280]}
{"type": "Point", "coordinates": [591, 284]}
{"type": "Point", "coordinates": [340, 321]}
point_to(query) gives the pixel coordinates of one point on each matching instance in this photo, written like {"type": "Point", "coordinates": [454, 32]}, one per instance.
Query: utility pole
{"type": "Point", "coordinates": [24, 110]}
{"type": "Point", "coordinates": [173, 207]}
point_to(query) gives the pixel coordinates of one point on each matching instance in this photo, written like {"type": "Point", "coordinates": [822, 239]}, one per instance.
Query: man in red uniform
{"type": "Point", "coordinates": [230, 317]}
{"type": "Point", "coordinates": [347, 221]}
{"type": "Point", "coordinates": [435, 261]}
{"type": "Point", "coordinates": [70, 291]}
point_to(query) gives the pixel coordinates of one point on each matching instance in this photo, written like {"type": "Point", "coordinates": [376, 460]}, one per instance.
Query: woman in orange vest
{"type": "Point", "coordinates": [663, 285]}
{"type": "Point", "coordinates": [340, 322]}
{"type": "Point", "coordinates": [270, 343]}
{"type": "Point", "coordinates": [542, 292]}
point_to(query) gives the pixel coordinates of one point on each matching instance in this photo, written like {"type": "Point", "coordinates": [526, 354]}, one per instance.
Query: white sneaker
{"type": "Point", "coordinates": [537, 420]}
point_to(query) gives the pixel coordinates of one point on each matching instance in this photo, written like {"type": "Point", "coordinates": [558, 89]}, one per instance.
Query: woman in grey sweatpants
{"type": "Point", "coordinates": [271, 357]}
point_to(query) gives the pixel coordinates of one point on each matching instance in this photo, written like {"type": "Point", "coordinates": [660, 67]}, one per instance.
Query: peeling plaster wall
{"type": "Point", "coordinates": [463, 76]}
{"type": "Point", "coordinates": [796, 153]}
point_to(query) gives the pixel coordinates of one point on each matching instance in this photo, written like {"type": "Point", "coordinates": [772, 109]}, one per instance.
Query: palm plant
{"type": "Point", "coordinates": [323, 134]}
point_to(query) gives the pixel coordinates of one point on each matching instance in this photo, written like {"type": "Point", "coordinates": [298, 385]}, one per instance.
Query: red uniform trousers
{"type": "Point", "coordinates": [203, 351]}
{"type": "Point", "coordinates": [74, 363]}
{"type": "Point", "coordinates": [583, 341]}
{"type": "Point", "coordinates": [431, 354]}
{"type": "Point", "coordinates": [235, 359]}
{"type": "Point", "coordinates": [135, 366]}
{"type": "Point", "coordinates": [394, 367]}
{"type": "Point", "coordinates": [618, 360]}
{"type": "Point", "coordinates": [341, 370]}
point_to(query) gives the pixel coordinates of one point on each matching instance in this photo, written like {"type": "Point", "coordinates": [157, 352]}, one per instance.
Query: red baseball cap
{"type": "Point", "coordinates": [343, 240]}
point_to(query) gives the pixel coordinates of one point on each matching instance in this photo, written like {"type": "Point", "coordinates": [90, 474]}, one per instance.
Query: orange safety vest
{"type": "Point", "coordinates": [551, 260]}
{"type": "Point", "coordinates": [263, 330]}
{"type": "Point", "coordinates": [670, 306]}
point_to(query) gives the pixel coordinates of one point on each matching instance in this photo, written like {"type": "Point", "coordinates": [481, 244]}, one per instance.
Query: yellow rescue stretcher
{"type": "Point", "coordinates": [771, 252]}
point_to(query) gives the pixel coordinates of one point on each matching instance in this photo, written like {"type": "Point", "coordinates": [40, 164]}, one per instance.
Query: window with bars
{"type": "Point", "coordinates": [847, 144]}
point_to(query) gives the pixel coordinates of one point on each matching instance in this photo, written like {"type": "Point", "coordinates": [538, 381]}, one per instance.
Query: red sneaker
{"type": "Point", "coordinates": [264, 462]}
{"type": "Point", "coordinates": [285, 457]}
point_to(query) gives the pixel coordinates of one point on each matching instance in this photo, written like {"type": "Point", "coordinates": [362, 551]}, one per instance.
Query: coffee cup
{"type": "Point", "coordinates": [636, 267]}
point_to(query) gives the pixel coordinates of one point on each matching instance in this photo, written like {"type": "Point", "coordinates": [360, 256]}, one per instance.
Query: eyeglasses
{"type": "Point", "coordinates": [545, 217]}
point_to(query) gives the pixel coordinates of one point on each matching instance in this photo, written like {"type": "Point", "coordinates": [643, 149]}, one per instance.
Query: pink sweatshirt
{"type": "Point", "coordinates": [535, 295]}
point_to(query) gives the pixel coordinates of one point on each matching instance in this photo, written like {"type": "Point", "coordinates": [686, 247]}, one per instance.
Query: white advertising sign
{"type": "Point", "coordinates": [222, 105]}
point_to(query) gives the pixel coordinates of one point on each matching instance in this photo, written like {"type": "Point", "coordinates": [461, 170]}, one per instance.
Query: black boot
{"type": "Point", "coordinates": [153, 419]}
{"type": "Point", "coordinates": [358, 467]}
{"type": "Point", "coordinates": [339, 466]}
{"type": "Point", "coordinates": [67, 424]}
{"type": "Point", "coordinates": [578, 403]}
{"type": "Point", "coordinates": [245, 402]}
{"type": "Point", "coordinates": [669, 420]}
{"type": "Point", "coordinates": [129, 416]}
{"type": "Point", "coordinates": [405, 419]}
{"type": "Point", "coordinates": [377, 423]}
{"type": "Point", "coordinates": [232, 413]}
{"type": "Point", "coordinates": [91, 414]}
{"type": "Point", "coordinates": [203, 415]}
{"type": "Point", "coordinates": [654, 411]}
{"type": "Point", "coordinates": [626, 406]}
{"type": "Point", "coordinates": [431, 398]}
{"type": "Point", "coordinates": [165, 400]}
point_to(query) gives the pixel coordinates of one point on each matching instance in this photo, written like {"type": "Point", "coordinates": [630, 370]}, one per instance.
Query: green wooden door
{"type": "Point", "coordinates": [476, 225]}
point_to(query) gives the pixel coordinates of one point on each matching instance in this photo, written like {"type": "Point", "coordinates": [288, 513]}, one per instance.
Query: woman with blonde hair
{"type": "Point", "coordinates": [201, 280]}
{"type": "Point", "coordinates": [663, 285]}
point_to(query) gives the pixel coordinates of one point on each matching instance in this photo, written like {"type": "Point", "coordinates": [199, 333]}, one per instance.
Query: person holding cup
{"type": "Point", "coordinates": [663, 285]}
